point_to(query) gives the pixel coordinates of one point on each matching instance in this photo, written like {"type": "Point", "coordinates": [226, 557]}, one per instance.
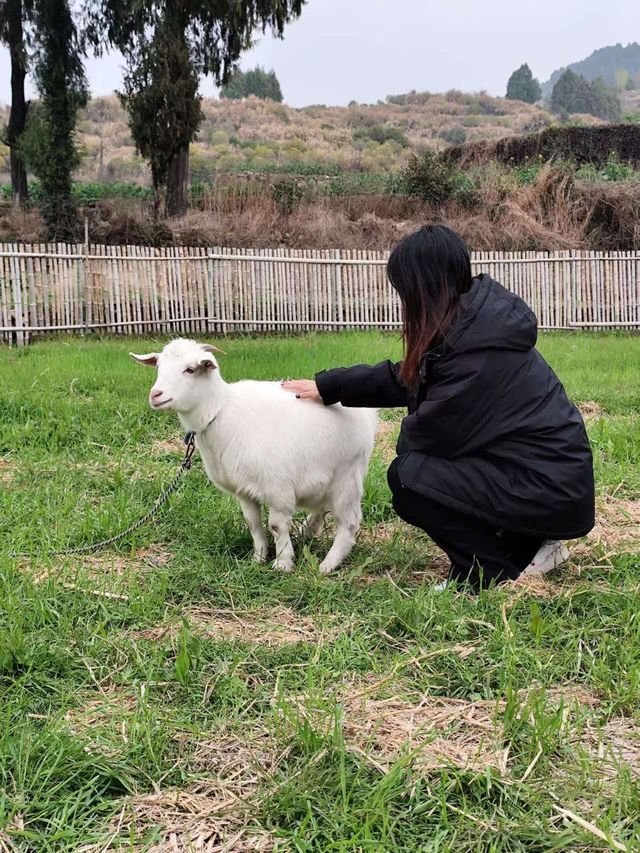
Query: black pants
{"type": "Point", "coordinates": [479, 553]}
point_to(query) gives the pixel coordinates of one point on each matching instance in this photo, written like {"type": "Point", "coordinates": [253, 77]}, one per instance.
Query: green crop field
{"type": "Point", "coordinates": [173, 695]}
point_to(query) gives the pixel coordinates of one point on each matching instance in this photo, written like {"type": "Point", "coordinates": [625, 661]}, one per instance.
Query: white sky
{"type": "Point", "coordinates": [363, 50]}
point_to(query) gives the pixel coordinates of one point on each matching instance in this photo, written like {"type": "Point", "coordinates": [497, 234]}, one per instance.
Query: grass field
{"type": "Point", "coordinates": [173, 695]}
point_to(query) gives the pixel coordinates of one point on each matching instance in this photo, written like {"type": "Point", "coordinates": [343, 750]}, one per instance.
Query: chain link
{"type": "Point", "coordinates": [190, 441]}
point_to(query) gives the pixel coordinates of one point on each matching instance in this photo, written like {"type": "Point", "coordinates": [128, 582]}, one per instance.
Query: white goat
{"type": "Point", "coordinates": [261, 444]}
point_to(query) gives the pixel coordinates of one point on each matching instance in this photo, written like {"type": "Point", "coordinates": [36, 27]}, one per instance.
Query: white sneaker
{"type": "Point", "coordinates": [550, 556]}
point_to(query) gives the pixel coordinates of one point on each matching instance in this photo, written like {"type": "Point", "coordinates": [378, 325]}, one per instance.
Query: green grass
{"type": "Point", "coordinates": [98, 704]}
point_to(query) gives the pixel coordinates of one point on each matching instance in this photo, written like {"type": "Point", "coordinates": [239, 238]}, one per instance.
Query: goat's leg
{"type": "Point", "coordinates": [280, 525]}
{"type": "Point", "coordinates": [348, 514]}
{"type": "Point", "coordinates": [313, 524]}
{"type": "Point", "coordinates": [253, 516]}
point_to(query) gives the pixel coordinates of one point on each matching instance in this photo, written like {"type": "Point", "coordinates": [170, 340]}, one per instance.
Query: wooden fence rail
{"type": "Point", "coordinates": [139, 290]}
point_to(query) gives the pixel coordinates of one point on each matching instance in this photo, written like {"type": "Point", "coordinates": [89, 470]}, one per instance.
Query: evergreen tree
{"type": "Point", "coordinates": [236, 86]}
{"type": "Point", "coordinates": [61, 83]}
{"type": "Point", "coordinates": [522, 86]}
{"type": "Point", "coordinates": [214, 36]}
{"type": "Point", "coordinates": [274, 90]}
{"type": "Point", "coordinates": [256, 82]}
{"type": "Point", "coordinates": [13, 16]}
{"type": "Point", "coordinates": [566, 93]}
{"type": "Point", "coordinates": [573, 94]}
{"type": "Point", "coordinates": [161, 96]}
{"type": "Point", "coordinates": [604, 101]}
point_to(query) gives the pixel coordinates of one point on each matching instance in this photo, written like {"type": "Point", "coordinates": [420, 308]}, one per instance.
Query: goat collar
{"type": "Point", "coordinates": [189, 437]}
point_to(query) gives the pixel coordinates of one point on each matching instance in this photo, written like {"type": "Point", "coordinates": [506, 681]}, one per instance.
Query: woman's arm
{"type": "Point", "coordinates": [363, 385]}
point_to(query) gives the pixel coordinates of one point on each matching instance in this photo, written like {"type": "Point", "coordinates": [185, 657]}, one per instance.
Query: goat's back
{"type": "Point", "coordinates": [274, 423]}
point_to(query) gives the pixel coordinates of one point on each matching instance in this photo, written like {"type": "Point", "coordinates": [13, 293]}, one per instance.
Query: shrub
{"type": "Point", "coordinates": [287, 194]}
{"type": "Point", "coordinates": [434, 179]}
{"type": "Point", "coordinates": [454, 135]}
{"type": "Point", "coordinates": [381, 134]}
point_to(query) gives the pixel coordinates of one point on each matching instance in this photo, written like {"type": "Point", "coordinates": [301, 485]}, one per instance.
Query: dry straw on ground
{"type": "Point", "coordinates": [590, 410]}
{"type": "Point", "coordinates": [272, 627]}
{"type": "Point", "coordinates": [6, 471]}
{"type": "Point", "coordinates": [171, 445]}
{"type": "Point", "coordinates": [436, 731]}
{"type": "Point", "coordinates": [214, 814]}
{"type": "Point", "coordinates": [431, 732]}
{"type": "Point", "coordinates": [615, 747]}
{"type": "Point", "coordinates": [202, 818]}
{"type": "Point", "coordinates": [104, 575]}
{"type": "Point", "coordinates": [617, 529]}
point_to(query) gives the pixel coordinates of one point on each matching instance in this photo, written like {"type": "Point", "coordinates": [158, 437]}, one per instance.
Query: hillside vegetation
{"type": "Point", "coordinates": [262, 135]}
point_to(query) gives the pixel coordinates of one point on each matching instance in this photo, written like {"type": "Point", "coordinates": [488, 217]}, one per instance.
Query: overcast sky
{"type": "Point", "coordinates": [363, 50]}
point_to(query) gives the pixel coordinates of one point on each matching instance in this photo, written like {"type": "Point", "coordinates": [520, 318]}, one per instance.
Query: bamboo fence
{"type": "Point", "coordinates": [136, 290]}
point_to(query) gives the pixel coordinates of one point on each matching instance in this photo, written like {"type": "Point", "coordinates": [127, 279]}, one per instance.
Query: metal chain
{"type": "Point", "coordinates": [190, 441]}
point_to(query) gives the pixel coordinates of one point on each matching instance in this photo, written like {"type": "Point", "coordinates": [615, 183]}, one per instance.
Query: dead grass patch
{"type": "Point", "coordinates": [98, 709]}
{"type": "Point", "coordinates": [240, 762]}
{"type": "Point", "coordinates": [437, 732]}
{"type": "Point", "coordinates": [272, 627]}
{"type": "Point", "coordinates": [432, 732]}
{"type": "Point", "coordinates": [6, 471]}
{"type": "Point", "coordinates": [590, 410]}
{"type": "Point", "coordinates": [104, 575]}
{"type": "Point", "coordinates": [171, 445]}
{"type": "Point", "coordinates": [204, 817]}
{"type": "Point", "coordinates": [617, 528]}
{"type": "Point", "coordinates": [386, 437]}
{"type": "Point", "coordinates": [97, 566]}
{"type": "Point", "coordinates": [533, 584]}
{"type": "Point", "coordinates": [102, 719]}
{"type": "Point", "coordinates": [7, 843]}
{"type": "Point", "coordinates": [614, 746]}
{"type": "Point", "coordinates": [213, 814]}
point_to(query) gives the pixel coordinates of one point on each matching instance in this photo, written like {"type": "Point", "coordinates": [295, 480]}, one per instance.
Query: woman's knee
{"type": "Point", "coordinates": [393, 477]}
{"type": "Point", "coordinates": [403, 500]}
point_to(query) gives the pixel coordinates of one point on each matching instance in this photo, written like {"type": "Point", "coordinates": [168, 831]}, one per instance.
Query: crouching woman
{"type": "Point", "coordinates": [493, 460]}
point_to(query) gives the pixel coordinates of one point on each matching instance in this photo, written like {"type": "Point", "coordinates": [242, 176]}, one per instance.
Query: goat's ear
{"type": "Point", "coordinates": [150, 359]}
{"type": "Point", "coordinates": [207, 362]}
{"type": "Point", "coordinates": [211, 348]}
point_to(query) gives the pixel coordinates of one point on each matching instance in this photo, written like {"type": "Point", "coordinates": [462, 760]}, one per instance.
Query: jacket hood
{"type": "Point", "coordinates": [491, 317]}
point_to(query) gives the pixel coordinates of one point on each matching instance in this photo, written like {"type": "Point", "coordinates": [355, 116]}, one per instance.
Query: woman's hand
{"type": "Point", "coordinates": [304, 389]}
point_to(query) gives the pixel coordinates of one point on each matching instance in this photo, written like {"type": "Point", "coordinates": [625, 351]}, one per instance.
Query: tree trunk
{"type": "Point", "coordinates": [178, 183]}
{"type": "Point", "coordinates": [19, 106]}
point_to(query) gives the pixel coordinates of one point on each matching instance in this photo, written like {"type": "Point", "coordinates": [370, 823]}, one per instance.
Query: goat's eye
{"type": "Point", "coordinates": [189, 370]}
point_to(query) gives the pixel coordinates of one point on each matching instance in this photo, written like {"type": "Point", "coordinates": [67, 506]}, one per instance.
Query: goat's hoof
{"type": "Point", "coordinates": [281, 566]}
{"type": "Point", "coordinates": [259, 557]}
{"type": "Point", "coordinates": [327, 568]}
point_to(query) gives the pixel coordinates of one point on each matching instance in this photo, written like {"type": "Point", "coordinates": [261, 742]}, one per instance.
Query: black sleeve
{"type": "Point", "coordinates": [376, 387]}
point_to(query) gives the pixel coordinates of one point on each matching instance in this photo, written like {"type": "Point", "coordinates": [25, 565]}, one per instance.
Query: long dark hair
{"type": "Point", "coordinates": [430, 270]}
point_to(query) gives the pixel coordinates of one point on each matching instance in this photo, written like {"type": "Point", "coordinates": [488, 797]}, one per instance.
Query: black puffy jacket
{"type": "Point", "coordinates": [490, 430]}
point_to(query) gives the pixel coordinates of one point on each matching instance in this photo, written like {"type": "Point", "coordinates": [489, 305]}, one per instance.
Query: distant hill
{"type": "Point", "coordinates": [616, 64]}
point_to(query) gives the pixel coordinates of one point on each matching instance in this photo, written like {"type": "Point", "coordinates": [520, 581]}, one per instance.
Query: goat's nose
{"type": "Point", "coordinates": [155, 394]}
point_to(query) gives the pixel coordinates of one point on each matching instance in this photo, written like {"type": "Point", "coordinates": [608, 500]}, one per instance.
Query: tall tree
{"type": "Point", "coordinates": [523, 86]}
{"type": "Point", "coordinates": [13, 15]}
{"type": "Point", "coordinates": [573, 94]}
{"type": "Point", "coordinates": [212, 33]}
{"type": "Point", "coordinates": [161, 96]}
{"type": "Point", "coordinates": [256, 82]}
{"type": "Point", "coordinates": [61, 83]}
